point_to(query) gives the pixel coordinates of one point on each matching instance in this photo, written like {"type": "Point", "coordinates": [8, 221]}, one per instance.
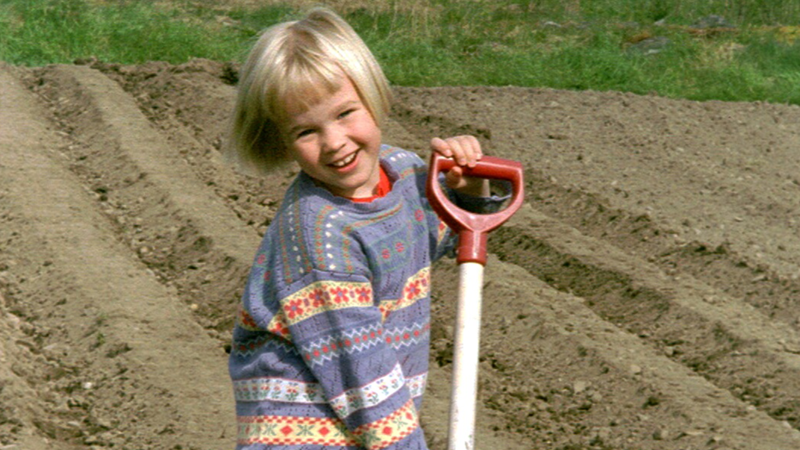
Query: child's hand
{"type": "Point", "coordinates": [466, 151]}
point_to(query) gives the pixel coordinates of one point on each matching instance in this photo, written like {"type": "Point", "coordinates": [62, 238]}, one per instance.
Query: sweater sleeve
{"type": "Point", "coordinates": [336, 327]}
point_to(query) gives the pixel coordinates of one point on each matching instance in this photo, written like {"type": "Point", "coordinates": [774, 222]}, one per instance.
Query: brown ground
{"type": "Point", "coordinates": [645, 297]}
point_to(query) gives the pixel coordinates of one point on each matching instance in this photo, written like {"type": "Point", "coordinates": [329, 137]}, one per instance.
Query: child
{"type": "Point", "coordinates": [330, 348]}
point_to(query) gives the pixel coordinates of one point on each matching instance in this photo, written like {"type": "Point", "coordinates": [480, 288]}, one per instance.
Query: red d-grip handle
{"type": "Point", "coordinates": [473, 228]}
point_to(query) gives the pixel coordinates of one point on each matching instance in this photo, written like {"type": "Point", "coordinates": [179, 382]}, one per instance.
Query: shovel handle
{"type": "Point", "coordinates": [472, 228]}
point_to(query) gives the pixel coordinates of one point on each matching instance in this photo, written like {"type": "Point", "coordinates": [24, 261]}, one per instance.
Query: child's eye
{"type": "Point", "coordinates": [304, 133]}
{"type": "Point", "coordinates": [346, 113]}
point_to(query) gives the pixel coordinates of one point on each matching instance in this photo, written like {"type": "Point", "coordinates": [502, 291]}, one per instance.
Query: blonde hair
{"type": "Point", "coordinates": [301, 62]}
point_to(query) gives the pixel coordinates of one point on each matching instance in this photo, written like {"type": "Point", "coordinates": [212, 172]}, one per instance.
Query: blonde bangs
{"type": "Point", "coordinates": [307, 80]}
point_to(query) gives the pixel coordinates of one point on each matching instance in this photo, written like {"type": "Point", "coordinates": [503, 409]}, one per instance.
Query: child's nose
{"type": "Point", "coordinates": [334, 138]}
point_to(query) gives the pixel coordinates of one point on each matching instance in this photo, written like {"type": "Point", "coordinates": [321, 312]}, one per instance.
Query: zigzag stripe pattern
{"type": "Point", "coordinates": [249, 347]}
{"type": "Point", "coordinates": [347, 342]}
{"type": "Point", "coordinates": [407, 336]}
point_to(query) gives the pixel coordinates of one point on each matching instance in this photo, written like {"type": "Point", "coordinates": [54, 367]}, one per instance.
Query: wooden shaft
{"type": "Point", "coordinates": [461, 434]}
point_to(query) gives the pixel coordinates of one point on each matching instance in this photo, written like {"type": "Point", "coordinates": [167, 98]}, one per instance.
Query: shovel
{"type": "Point", "coordinates": [473, 232]}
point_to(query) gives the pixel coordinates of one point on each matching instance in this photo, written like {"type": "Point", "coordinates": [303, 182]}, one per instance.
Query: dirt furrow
{"type": "Point", "coordinates": [611, 389]}
{"type": "Point", "coordinates": [646, 298]}
{"type": "Point", "coordinates": [661, 178]}
{"type": "Point", "coordinates": [724, 306]}
{"type": "Point", "coordinates": [124, 356]}
{"type": "Point", "coordinates": [176, 225]}
{"type": "Point", "coordinates": [720, 337]}
{"type": "Point", "coordinates": [108, 151]}
{"type": "Point", "coordinates": [744, 275]}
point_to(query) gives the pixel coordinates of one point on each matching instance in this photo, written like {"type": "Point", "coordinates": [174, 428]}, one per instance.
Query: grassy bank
{"type": "Point", "coordinates": [647, 46]}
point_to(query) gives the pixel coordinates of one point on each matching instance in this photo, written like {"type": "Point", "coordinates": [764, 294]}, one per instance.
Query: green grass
{"type": "Point", "coordinates": [38, 32]}
{"type": "Point", "coordinates": [564, 44]}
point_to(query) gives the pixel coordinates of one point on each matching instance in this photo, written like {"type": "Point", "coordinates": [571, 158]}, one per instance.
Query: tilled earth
{"type": "Point", "coordinates": [645, 297]}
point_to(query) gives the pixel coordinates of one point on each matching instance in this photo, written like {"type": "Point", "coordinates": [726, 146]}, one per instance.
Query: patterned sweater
{"type": "Point", "coordinates": [330, 348]}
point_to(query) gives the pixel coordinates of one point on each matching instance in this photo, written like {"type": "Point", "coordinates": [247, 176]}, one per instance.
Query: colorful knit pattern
{"type": "Point", "coordinates": [324, 259]}
{"type": "Point", "coordinates": [335, 318]}
{"type": "Point", "coordinates": [325, 296]}
{"type": "Point", "coordinates": [443, 231]}
{"type": "Point", "coordinates": [310, 300]}
{"type": "Point", "coordinates": [408, 336]}
{"type": "Point", "coordinates": [369, 395]}
{"type": "Point", "coordinates": [245, 320]}
{"type": "Point", "coordinates": [294, 253]}
{"type": "Point", "coordinates": [279, 390]}
{"type": "Point", "coordinates": [294, 391]}
{"type": "Point", "coordinates": [416, 385]}
{"type": "Point", "coordinates": [416, 288]}
{"type": "Point", "coordinates": [387, 431]}
{"type": "Point", "coordinates": [262, 342]}
{"type": "Point", "coordinates": [291, 431]}
{"type": "Point", "coordinates": [347, 244]}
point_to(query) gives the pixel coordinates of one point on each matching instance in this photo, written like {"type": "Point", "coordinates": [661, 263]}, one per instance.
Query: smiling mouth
{"type": "Point", "coordinates": [343, 162]}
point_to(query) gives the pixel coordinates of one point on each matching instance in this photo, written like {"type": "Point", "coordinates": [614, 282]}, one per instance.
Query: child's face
{"type": "Point", "coordinates": [336, 141]}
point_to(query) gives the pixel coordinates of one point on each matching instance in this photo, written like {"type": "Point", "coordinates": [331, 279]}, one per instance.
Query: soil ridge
{"type": "Point", "coordinates": [644, 298]}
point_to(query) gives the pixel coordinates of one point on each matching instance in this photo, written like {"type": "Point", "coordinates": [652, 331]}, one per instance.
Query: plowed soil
{"type": "Point", "coordinates": [645, 297]}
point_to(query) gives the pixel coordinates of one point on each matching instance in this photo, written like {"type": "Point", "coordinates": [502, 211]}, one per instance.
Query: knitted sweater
{"type": "Point", "coordinates": [330, 347]}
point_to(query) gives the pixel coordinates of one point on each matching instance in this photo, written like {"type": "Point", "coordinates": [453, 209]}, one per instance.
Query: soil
{"type": "Point", "coordinates": [644, 297]}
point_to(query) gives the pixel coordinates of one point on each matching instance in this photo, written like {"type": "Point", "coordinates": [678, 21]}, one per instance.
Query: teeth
{"type": "Point", "coordinates": [345, 161]}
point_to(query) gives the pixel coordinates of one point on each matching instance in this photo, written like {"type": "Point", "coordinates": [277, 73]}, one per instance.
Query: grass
{"type": "Point", "coordinates": [564, 44]}
{"type": "Point", "coordinates": [41, 32]}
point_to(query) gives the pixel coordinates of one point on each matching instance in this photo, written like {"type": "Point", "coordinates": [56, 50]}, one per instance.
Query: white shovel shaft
{"type": "Point", "coordinates": [465, 358]}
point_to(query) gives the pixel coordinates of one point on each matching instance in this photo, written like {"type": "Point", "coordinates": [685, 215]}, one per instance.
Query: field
{"type": "Point", "coordinates": [644, 298]}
